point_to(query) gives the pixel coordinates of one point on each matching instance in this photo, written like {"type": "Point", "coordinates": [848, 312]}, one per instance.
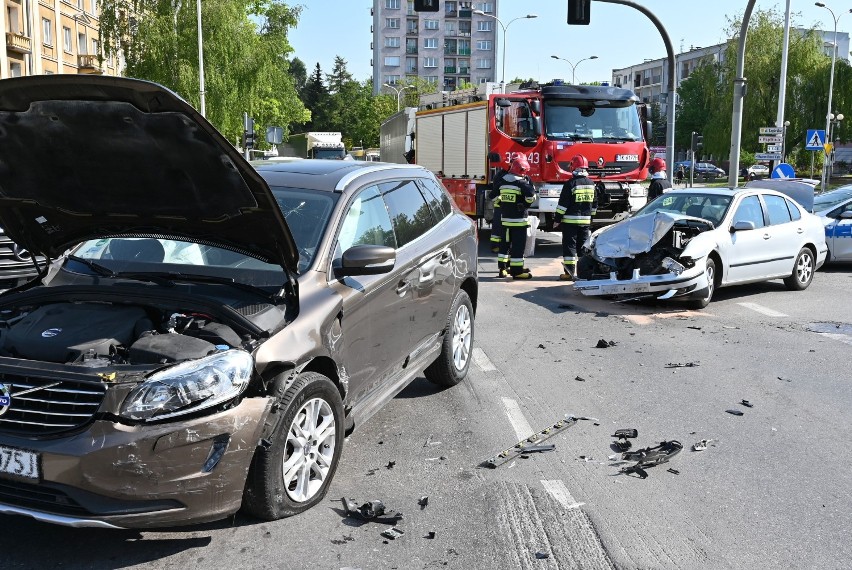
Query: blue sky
{"type": "Point", "coordinates": [619, 35]}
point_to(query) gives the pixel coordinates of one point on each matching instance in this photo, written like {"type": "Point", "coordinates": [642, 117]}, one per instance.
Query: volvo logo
{"type": "Point", "coordinates": [50, 333]}
{"type": "Point", "coordinates": [5, 398]}
{"type": "Point", "coordinates": [21, 254]}
{"type": "Point", "coordinates": [601, 161]}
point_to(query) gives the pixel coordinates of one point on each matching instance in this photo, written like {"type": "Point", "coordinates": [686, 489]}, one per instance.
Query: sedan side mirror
{"type": "Point", "coordinates": [741, 226]}
{"type": "Point", "coordinates": [846, 215]}
{"type": "Point", "coordinates": [366, 260]}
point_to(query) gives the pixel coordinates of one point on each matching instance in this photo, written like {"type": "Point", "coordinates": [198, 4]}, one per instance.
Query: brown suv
{"type": "Point", "coordinates": [216, 328]}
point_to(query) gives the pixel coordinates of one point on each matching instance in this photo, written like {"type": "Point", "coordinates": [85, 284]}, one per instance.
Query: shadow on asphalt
{"type": "Point", "coordinates": [419, 388]}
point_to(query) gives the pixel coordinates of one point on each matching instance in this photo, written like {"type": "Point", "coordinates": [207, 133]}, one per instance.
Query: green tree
{"type": "Point", "coordinates": [299, 73]}
{"type": "Point", "coordinates": [245, 51]}
{"type": "Point", "coordinates": [316, 98]}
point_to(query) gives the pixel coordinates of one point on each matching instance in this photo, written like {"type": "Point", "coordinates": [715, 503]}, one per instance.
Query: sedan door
{"type": "Point", "coordinates": [838, 234]}
{"type": "Point", "coordinates": [748, 251]}
{"type": "Point", "coordinates": [786, 236]}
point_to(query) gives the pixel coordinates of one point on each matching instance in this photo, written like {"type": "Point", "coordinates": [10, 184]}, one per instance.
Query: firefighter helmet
{"type": "Point", "coordinates": [519, 165]}
{"type": "Point", "coordinates": [579, 162]}
{"type": "Point", "coordinates": [657, 165]}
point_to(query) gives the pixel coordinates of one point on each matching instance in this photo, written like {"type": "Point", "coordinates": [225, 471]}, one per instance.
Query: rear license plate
{"type": "Point", "coordinates": [19, 463]}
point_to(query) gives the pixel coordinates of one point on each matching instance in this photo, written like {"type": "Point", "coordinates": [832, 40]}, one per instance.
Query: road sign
{"type": "Point", "coordinates": [815, 139]}
{"type": "Point", "coordinates": [783, 170]}
{"type": "Point", "coordinates": [767, 156]}
{"type": "Point", "coordinates": [827, 147]}
{"type": "Point", "coordinates": [773, 148]}
{"type": "Point", "coordinates": [769, 139]}
{"type": "Point", "coordinates": [772, 130]}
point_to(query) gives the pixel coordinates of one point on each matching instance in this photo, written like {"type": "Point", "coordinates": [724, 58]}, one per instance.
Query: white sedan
{"type": "Point", "coordinates": [835, 208]}
{"type": "Point", "coordinates": [687, 243]}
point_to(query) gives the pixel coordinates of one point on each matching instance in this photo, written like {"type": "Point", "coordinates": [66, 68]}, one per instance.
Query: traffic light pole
{"type": "Point", "coordinates": [671, 98]}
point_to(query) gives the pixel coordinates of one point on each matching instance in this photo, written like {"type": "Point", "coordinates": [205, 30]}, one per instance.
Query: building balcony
{"type": "Point", "coordinates": [464, 34]}
{"type": "Point", "coordinates": [465, 13]}
{"type": "Point", "coordinates": [464, 51]}
{"type": "Point", "coordinates": [464, 70]}
{"type": "Point", "coordinates": [410, 50]}
{"type": "Point", "coordinates": [18, 42]}
{"type": "Point", "coordinates": [450, 70]}
{"type": "Point", "coordinates": [411, 32]}
{"type": "Point", "coordinates": [89, 65]}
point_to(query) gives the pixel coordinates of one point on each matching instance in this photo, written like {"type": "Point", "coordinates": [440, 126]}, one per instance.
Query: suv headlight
{"type": "Point", "coordinates": [190, 386]}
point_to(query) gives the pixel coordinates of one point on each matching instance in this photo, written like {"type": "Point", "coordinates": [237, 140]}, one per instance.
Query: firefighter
{"type": "Point", "coordinates": [496, 226]}
{"type": "Point", "coordinates": [659, 183]}
{"type": "Point", "coordinates": [578, 202]}
{"type": "Point", "coordinates": [516, 196]}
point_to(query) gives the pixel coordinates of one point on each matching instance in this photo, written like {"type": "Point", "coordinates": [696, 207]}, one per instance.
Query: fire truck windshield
{"type": "Point", "coordinates": [583, 121]}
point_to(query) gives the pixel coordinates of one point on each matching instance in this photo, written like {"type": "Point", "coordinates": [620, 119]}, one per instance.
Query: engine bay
{"type": "Point", "coordinates": [98, 334]}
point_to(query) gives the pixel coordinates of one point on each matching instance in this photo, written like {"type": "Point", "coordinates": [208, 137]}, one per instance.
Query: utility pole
{"type": "Point", "coordinates": [739, 95]}
{"type": "Point", "coordinates": [201, 63]}
{"type": "Point", "coordinates": [782, 86]}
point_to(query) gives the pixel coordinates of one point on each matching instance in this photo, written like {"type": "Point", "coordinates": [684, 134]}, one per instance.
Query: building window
{"type": "Point", "coordinates": [391, 79]}
{"type": "Point", "coordinates": [392, 4]}
{"type": "Point", "coordinates": [66, 39]}
{"type": "Point", "coordinates": [483, 63]}
{"type": "Point", "coordinates": [93, 5]}
{"type": "Point", "coordinates": [484, 45]}
{"type": "Point", "coordinates": [410, 10]}
{"type": "Point", "coordinates": [430, 78]}
{"type": "Point", "coordinates": [80, 5]}
{"type": "Point", "coordinates": [392, 23]}
{"type": "Point", "coordinates": [81, 44]}
{"type": "Point", "coordinates": [47, 32]}
{"type": "Point", "coordinates": [450, 28]}
{"type": "Point", "coordinates": [431, 24]}
{"type": "Point", "coordinates": [392, 61]}
{"type": "Point", "coordinates": [430, 62]}
{"type": "Point", "coordinates": [487, 7]}
{"type": "Point", "coordinates": [483, 26]}
{"type": "Point", "coordinates": [391, 42]}
{"type": "Point", "coordinates": [430, 43]}
{"type": "Point", "coordinates": [96, 48]}
{"type": "Point", "coordinates": [450, 8]}
{"type": "Point", "coordinates": [483, 80]}
{"type": "Point", "coordinates": [15, 69]}
{"type": "Point", "coordinates": [410, 64]}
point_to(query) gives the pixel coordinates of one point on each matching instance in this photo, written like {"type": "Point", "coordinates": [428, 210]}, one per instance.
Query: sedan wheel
{"type": "Point", "coordinates": [704, 299]}
{"type": "Point", "coordinates": [803, 271]}
{"type": "Point", "coordinates": [452, 364]}
{"type": "Point", "coordinates": [293, 473]}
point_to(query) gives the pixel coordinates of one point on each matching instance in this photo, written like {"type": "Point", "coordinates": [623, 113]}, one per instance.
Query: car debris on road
{"type": "Point", "coordinates": [650, 456]}
{"type": "Point", "coordinates": [622, 436]}
{"type": "Point", "coordinates": [532, 441]}
{"type": "Point", "coordinates": [374, 511]}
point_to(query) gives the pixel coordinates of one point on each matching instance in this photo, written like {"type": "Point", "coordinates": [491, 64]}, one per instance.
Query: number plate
{"type": "Point", "coordinates": [19, 463]}
{"type": "Point", "coordinates": [627, 288]}
{"type": "Point", "coordinates": [627, 158]}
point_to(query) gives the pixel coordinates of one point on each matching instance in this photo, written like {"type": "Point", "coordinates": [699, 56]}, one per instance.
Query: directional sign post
{"type": "Point", "coordinates": [772, 130]}
{"type": "Point", "coordinates": [767, 156]}
{"type": "Point", "coordinates": [815, 139]}
{"type": "Point", "coordinates": [769, 139]}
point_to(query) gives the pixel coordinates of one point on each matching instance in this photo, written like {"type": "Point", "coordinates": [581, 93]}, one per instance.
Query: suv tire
{"type": "Point", "coordinates": [452, 364]}
{"type": "Point", "coordinates": [306, 442]}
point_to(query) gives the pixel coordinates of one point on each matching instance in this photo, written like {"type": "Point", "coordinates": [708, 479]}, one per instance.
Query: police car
{"type": "Point", "coordinates": [835, 209]}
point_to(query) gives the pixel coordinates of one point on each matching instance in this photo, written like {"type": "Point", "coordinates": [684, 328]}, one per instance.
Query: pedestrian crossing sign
{"type": "Point", "coordinates": [815, 139]}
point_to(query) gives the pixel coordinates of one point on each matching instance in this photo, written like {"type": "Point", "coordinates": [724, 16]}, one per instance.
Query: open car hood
{"type": "Point", "coordinates": [636, 235]}
{"type": "Point", "coordinates": [85, 157]}
{"type": "Point", "coordinates": [799, 189]}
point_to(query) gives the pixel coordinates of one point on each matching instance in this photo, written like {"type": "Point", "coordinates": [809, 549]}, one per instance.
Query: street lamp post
{"type": "Point", "coordinates": [504, 26]}
{"type": "Point", "coordinates": [399, 91]}
{"type": "Point", "coordinates": [784, 142]}
{"type": "Point", "coordinates": [830, 81]}
{"type": "Point", "coordinates": [835, 123]}
{"type": "Point", "coordinates": [574, 65]}
{"type": "Point", "coordinates": [201, 63]}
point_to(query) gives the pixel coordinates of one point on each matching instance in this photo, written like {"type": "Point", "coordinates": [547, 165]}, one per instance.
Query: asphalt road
{"type": "Point", "coordinates": [770, 491]}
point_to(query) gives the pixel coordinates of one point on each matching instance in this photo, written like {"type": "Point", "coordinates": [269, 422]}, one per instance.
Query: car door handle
{"type": "Point", "coordinates": [766, 236]}
{"type": "Point", "coordinates": [402, 288]}
{"type": "Point", "coordinates": [800, 231]}
{"type": "Point", "coordinates": [446, 258]}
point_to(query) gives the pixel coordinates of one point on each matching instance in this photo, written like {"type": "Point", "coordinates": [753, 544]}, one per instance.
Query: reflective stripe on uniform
{"type": "Point", "coordinates": [569, 261]}
{"type": "Point", "coordinates": [516, 263]}
{"type": "Point", "coordinates": [496, 239]}
{"type": "Point", "coordinates": [560, 210]}
{"type": "Point", "coordinates": [503, 257]}
{"type": "Point", "coordinates": [578, 220]}
{"type": "Point", "coordinates": [584, 193]}
{"type": "Point", "coordinates": [515, 222]}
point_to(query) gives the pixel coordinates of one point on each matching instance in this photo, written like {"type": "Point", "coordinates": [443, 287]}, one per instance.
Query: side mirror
{"type": "Point", "coordinates": [494, 157]}
{"type": "Point", "coordinates": [366, 260]}
{"type": "Point", "coordinates": [502, 102]}
{"type": "Point", "coordinates": [649, 130]}
{"type": "Point", "coordinates": [847, 215]}
{"type": "Point", "coordinates": [536, 106]}
{"type": "Point", "coordinates": [742, 225]}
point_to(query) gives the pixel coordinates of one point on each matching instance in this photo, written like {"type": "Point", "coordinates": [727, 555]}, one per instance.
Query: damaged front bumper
{"type": "Point", "coordinates": [663, 286]}
{"type": "Point", "coordinates": [139, 476]}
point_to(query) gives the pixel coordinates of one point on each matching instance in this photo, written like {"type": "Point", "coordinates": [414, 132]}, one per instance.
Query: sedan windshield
{"type": "Point", "coordinates": [307, 213]}
{"type": "Point", "coordinates": [831, 199]}
{"type": "Point", "coordinates": [710, 207]}
{"type": "Point", "coordinates": [582, 120]}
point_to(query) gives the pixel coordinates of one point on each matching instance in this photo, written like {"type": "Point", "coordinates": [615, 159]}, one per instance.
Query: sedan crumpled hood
{"type": "Point", "coordinates": [636, 235]}
{"type": "Point", "coordinates": [85, 157]}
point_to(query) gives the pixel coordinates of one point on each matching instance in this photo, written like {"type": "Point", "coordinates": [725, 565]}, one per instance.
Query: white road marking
{"type": "Point", "coordinates": [520, 424]}
{"type": "Point", "coordinates": [762, 310]}
{"type": "Point", "coordinates": [560, 492]}
{"type": "Point", "coordinates": [482, 361]}
{"type": "Point", "coordinates": [844, 338]}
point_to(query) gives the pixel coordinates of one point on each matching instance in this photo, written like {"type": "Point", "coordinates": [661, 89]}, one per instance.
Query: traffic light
{"type": "Point", "coordinates": [579, 12]}
{"type": "Point", "coordinates": [426, 5]}
{"type": "Point", "coordinates": [249, 136]}
{"type": "Point", "coordinates": [697, 141]}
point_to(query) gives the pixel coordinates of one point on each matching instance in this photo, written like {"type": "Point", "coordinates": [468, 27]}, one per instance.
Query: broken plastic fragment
{"type": "Point", "coordinates": [682, 364]}
{"type": "Point", "coordinates": [603, 343]}
{"type": "Point", "coordinates": [650, 456]}
{"type": "Point", "coordinates": [393, 533]}
{"type": "Point", "coordinates": [734, 412]}
{"type": "Point", "coordinates": [391, 464]}
{"type": "Point", "coordinates": [423, 501]}
{"type": "Point", "coordinates": [673, 471]}
{"type": "Point", "coordinates": [579, 379]}
{"type": "Point", "coordinates": [747, 404]}
{"type": "Point", "coordinates": [430, 535]}
{"type": "Point", "coordinates": [701, 445]}
{"type": "Point", "coordinates": [542, 555]}
{"type": "Point", "coordinates": [372, 511]}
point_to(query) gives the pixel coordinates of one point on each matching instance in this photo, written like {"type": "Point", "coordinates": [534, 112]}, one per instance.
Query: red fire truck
{"type": "Point", "coordinates": [463, 137]}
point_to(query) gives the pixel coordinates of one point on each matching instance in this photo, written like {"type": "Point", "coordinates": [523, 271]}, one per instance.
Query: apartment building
{"type": "Point", "coordinates": [649, 79]}
{"type": "Point", "coordinates": [52, 36]}
{"type": "Point", "coordinates": [452, 46]}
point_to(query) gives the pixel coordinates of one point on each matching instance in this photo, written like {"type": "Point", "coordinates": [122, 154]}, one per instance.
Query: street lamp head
{"type": "Point", "coordinates": [531, 16]}
{"type": "Point", "coordinates": [555, 57]}
{"type": "Point", "coordinates": [593, 57]}
{"type": "Point", "coordinates": [479, 12]}
{"type": "Point", "coordinates": [786, 123]}
{"type": "Point", "coordinates": [840, 117]}
{"type": "Point", "coordinates": [820, 4]}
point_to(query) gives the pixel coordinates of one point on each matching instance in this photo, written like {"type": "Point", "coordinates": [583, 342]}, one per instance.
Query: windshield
{"type": "Point", "coordinates": [307, 213]}
{"type": "Point", "coordinates": [831, 199]}
{"type": "Point", "coordinates": [328, 153]}
{"type": "Point", "coordinates": [710, 207]}
{"type": "Point", "coordinates": [161, 255]}
{"type": "Point", "coordinates": [581, 120]}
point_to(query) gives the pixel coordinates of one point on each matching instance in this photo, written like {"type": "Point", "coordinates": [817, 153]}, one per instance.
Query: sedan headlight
{"type": "Point", "coordinates": [190, 386]}
{"type": "Point", "coordinates": [672, 266]}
